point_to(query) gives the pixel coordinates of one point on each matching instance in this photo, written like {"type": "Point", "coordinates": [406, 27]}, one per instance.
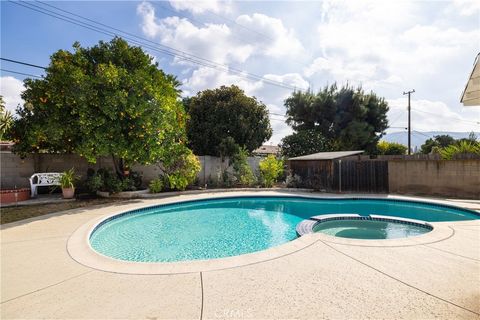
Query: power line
{"type": "Point", "coordinates": [423, 134]}
{"type": "Point", "coordinates": [302, 63]}
{"type": "Point", "coordinates": [112, 28]}
{"type": "Point", "coordinates": [177, 54]}
{"type": "Point", "coordinates": [108, 33]}
{"type": "Point", "coordinates": [438, 115]}
{"type": "Point", "coordinates": [23, 74]}
{"type": "Point", "coordinates": [24, 63]}
{"type": "Point", "coordinates": [199, 22]}
{"type": "Point", "coordinates": [97, 29]}
{"type": "Point", "coordinates": [240, 25]}
{"type": "Point", "coordinates": [277, 114]}
{"type": "Point", "coordinates": [397, 118]}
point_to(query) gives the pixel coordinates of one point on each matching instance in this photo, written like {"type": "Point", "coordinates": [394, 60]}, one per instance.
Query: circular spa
{"type": "Point", "coordinates": [371, 227]}
{"type": "Point", "coordinates": [225, 227]}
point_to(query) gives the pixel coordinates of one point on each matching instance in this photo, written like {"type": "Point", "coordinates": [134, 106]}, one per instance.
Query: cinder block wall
{"type": "Point", "coordinates": [16, 171]}
{"type": "Point", "coordinates": [451, 178]}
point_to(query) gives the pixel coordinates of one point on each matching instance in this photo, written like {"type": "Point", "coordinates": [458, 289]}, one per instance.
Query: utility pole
{"type": "Point", "coordinates": [409, 126]}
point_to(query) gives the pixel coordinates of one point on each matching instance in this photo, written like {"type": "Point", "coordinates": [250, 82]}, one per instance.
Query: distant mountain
{"type": "Point", "coordinates": [419, 138]}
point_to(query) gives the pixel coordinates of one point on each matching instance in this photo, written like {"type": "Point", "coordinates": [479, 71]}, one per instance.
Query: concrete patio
{"type": "Point", "coordinates": [325, 278]}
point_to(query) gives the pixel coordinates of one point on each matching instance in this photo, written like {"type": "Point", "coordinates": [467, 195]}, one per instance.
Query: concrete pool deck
{"type": "Point", "coordinates": [321, 277]}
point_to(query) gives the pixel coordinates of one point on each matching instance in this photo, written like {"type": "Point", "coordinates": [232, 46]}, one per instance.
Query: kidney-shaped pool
{"type": "Point", "coordinates": [224, 227]}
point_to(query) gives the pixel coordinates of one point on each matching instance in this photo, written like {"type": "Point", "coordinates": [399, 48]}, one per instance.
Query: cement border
{"type": "Point", "coordinates": [79, 249]}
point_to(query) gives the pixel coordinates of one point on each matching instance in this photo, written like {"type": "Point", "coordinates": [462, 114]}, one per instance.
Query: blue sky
{"type": "Point", "coordinates": [385, 46]}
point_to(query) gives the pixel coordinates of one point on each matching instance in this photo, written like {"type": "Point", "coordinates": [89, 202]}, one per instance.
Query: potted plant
{"type": "Point", "coordinates": [66, 182]}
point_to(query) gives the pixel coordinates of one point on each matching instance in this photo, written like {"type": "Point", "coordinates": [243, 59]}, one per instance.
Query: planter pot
{"type": "Point", "coordinates": [68, 193]}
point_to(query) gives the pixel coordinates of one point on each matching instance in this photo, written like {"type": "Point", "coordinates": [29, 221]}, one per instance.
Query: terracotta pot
{"type": "Point", "coordinates": [68, 193]}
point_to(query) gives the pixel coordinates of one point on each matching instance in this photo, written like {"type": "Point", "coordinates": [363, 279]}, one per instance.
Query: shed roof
{"type": "Point", "coordinates": [327, 155]}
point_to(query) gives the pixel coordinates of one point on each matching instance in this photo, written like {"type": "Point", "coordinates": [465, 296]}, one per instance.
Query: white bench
{"type": "Point", "coordinates": [43, 179]}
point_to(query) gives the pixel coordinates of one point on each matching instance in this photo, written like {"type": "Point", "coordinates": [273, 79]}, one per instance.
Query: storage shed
{"type": "Point", "coordinates": [339, 171]}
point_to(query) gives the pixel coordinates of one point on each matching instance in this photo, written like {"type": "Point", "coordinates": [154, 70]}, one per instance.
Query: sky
{"type": "Point", "coordinates": [270, 48]}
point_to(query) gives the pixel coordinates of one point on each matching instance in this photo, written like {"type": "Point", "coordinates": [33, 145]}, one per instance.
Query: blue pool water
{"type": "Point", "coordinates": [369, 229]}
{"type": "Point", "coordinates": [217, 228]}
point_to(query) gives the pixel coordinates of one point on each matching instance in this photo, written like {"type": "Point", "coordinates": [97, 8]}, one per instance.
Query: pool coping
{"type": "Point", "coordinates": [79, 249]}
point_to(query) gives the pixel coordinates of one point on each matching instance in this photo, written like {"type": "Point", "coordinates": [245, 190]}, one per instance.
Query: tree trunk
{"type": "Point", "coordinates": [119, 167]}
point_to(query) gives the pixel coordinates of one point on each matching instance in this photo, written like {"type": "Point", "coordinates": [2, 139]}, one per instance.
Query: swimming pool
{"type": "Point", "coordinates": [224, 227]}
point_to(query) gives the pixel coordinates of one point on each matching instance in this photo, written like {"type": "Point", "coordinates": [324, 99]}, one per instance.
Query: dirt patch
{"type": "Point", "coordinates": [12, 214]}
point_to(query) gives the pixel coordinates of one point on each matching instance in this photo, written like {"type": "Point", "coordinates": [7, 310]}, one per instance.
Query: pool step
{"type": "Point", "coordinates": [306, 226]}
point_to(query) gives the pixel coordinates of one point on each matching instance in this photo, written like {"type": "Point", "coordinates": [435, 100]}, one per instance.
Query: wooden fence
{"type": "Point", "coordinates": [361, 176]}
{"type": "Point", "coordinates": [344, 175]}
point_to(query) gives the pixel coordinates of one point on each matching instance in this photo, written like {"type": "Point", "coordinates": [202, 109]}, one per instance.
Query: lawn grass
{"type": "Point", "coordinates": [12, 214]}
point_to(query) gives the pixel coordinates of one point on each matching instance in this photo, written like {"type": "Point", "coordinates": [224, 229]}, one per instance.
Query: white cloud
{"type": "Point", "coordinates": [467, 7]}
{"type": "Point", "coordinates": [10, 89]}
{"type": "Point", "coordinates": [219, 42]}
{"type": "Point", "coordinates": [198, 7]}
{"type": "Point", "coordinates": [290, 79]}
{"type": "Point", "coordinates": [387, 46]}
{"type": "Point", "coordinates": [433, 116]}
{"type": "Point", "coordinates": [147, 12]}
{"type": "Point", "coordinates": [375, 40]}
{"type": "Point", "coordinates": [280, 130]}
{"type": "Point", "coordinates": [272, 37]}
{"type": "Point", "coordinates": [343, 70]}
{"type": "Point", "coordinates": [210, 41]}
{"type": "Point", "coordinates": [207, 78]}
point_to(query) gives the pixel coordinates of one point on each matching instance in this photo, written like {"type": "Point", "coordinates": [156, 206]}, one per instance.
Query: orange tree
{"type": "Point", "coordinates": [106, 100]}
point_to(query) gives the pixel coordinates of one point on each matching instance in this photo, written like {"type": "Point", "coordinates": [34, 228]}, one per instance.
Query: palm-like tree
{"type": "Point", "coordinates": [6, 120]}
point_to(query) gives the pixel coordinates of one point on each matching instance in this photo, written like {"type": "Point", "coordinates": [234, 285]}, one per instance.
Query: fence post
{"type": "Point", "coordinates": [340, 176]}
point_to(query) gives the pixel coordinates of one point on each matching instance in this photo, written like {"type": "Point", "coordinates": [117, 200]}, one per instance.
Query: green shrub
{"type": "Point", "coordinates": [107, 180]}
{"type": "Point", "coordinates": [136, 179]}
{"type": "Point", "coordinates": [94, 183]}
{"type": "Point", "coordinates": [228, 180]}
{"type": "Point", "coordinates": [293, 181]}
{"type": "Point", "coordinates": [270, 168]}
{"type": "Point", "coordinates": [242, 170]}
{"type": "Point", "coordinates": [463, 147]}
{"type": "Point", "coordinates": [112, 184]}
{"type": "Point", "coordinates": [184, 172]}
{"type": "Point", "coordinates": [391, 148]}
{"type": "Point", "coordinates": [156, 185]}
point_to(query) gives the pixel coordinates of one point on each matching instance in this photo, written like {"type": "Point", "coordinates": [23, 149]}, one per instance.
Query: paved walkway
{"type": "Point", "coordinates": [322, 280]}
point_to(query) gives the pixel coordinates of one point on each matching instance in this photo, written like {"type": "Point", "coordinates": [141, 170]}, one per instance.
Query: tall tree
{"type": "Point", "coordinates": [348, 118]}
{"type": "Point", "coordinates": [438, 142]}
{"type": "Point", "coordinates": [106, 100]}
{"type": "Point", "coordinates": [224, 119]}
{"type": "Point", "coordinates": [6, 121]}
